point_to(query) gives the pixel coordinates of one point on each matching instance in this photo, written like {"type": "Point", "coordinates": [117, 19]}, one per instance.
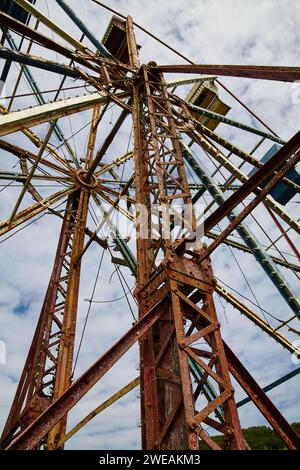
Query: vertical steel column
{"type": "Point", "coordinates": [48, 369]}
{"type": "Point", "coordinates": [197, 307]}
{"type": "Point", "coordinates": [156, 150]}
{"type": "Point", "coordinates": [66, 345]}
{"type": "Point", "coordinates": [169, 416]}
{"type": "Point", "coordinates": [144, 252]}
{"type": "Point", "coordinates": [35, 390]}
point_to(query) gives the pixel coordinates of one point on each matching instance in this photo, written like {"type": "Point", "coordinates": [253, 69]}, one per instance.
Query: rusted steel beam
{"type": "Point", "coordinates": [32, 395]}
{"type": "Point", "coordinates": [184, 425]}
{"type": "Point", "coordinates": [64, 369]}
{"type": "Point", "coordinates": [107, 142]}
{"type": "Point", "coordinates": [180, 423]}
{"type": "Point", "coordinates": [149, 402]}
{"type": "Point", "coordinates": [257, 320]}
{"type": "Point", "coordinates": [165, 370]}
{"type": "Point", "coordinates": [131, 42]}
{"type": "Point", "coordinates": [156, 150]}
{"type": "Point", "coordinates": [261, 174]}
{"type": "Point", "coordinates": [38, 62]}
{"type": "Point", "coordinates": [27, 214]}
{"type": "Point", "coordinates": [22, 153]}
{"type": "Point", "coordinates": [185, 306]}
{"type": "Point", "coordinates": [93, 135]}
{"type": "Point", "coordinates": [110, 401]}
{"type": "Point", "coordinates": [42, 425]}
{"type": "Point", "coordinates": [18, 120]}
{"type": "Point", "coordinates": [262, 401]}
{"type": "Point", "coordinates": [285, 74]}
{"type": "Point", "coordinates": [253, 390]}
{"type": "Point", "coordinates": [144, 252]}
{"type": "Point", "coordinates": [45, 41]}
{"type": "Point", "coordinates": [248, 209]}
{"type": "Point", "coordinates": [64, 364]}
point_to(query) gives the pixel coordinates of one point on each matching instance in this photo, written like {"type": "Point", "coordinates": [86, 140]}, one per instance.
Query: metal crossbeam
{"type": "Point", "coordinates": [84, 29]}
{"type": "Point", "coordinates": [232, 122]}
{"type": "Point", "coordinates": [175, 282]}
{"type": "Point", "coordinates": [121, 393]}
{"type": "Point", "coordinates": [285, 74]}
{"type": "Point", "coordinates": [15, 121]}
{"type": "Point", "coordinates": [38, 62]}
{"type": "Point", "coordinates": [29, 438]}
{"type": "Point", "coordinates": [257, 320]}
{"type": "Point", "coordinates": [283, 154]}
{"type": "Point", "coordinates": [263, 258]}
{"type": "Point", "coordinates": [52, 25]}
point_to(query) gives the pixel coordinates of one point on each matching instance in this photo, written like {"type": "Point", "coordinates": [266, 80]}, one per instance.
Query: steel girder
{"type": "Point", "coordinates": [48, 368]}
{"type": "Point", "coordinates": [17, 120]}
{"type": "Point", "coordinates": [161, 323]}
{"type": "Point", "coordinates": [249, 239]}
{"type": "Point", "coordinates": [169, 416]}
{"type": "Point", "coordinates": [285, 74]}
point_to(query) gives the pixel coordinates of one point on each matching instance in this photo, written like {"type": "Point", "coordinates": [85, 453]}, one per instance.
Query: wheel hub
{"type": "Point", "coordinates": [80, 176]}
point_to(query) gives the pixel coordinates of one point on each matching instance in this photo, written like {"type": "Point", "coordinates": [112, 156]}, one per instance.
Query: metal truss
{"type": "Point", "coordinates": [184, 386]}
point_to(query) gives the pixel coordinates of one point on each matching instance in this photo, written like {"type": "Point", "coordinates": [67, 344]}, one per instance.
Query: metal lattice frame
{"type": "Point", "coordinates": [175, 282]}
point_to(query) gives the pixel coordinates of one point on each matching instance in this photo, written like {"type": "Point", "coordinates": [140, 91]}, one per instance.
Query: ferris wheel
{"type": "Point", "coordinates": [172, 177]}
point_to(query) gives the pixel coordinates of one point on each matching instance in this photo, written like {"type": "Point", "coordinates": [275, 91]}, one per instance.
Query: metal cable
{"type": "Point", "coordinates": [88, 312]}
{"type": "Point", "coordinates": [246, 298]}
{"type": "Point", "coordinates": [23, 95]}
{"type": "Point", "coordinates": [107, 301]}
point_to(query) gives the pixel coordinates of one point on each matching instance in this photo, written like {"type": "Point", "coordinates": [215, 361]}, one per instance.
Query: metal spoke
{"type": "Point", "coordinates": [22, 153]}
{"type": "Point", "coordinates": [34, 210]}
{"type": "Point", "coordinates": [32, 170]}
{"type": "Point", "coordinates": [52, 25]}
{"type": "Point", "coordinates": [186, 368]}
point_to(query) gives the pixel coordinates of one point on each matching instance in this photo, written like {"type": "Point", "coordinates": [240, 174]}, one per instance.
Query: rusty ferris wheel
{"type": "Point", "coordinates": [179, 156]}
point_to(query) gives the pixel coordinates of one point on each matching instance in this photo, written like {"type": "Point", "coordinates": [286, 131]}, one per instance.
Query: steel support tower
{"type": "Point", "coordinates": [184, 386]}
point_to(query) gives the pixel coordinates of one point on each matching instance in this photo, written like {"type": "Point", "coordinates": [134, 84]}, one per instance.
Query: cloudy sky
{"type": "Point", "coordinates": [262, 32]}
